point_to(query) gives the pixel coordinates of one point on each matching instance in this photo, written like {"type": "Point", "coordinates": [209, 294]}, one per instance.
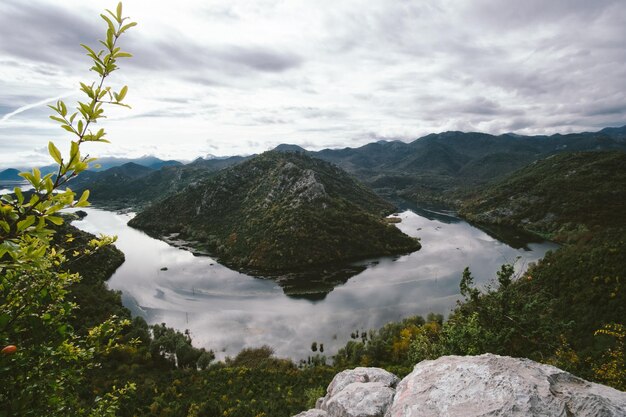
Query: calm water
{"type": "Point", "coordinates": [227, 311]}
{"type": "Point", "coordinates": [7, 187]}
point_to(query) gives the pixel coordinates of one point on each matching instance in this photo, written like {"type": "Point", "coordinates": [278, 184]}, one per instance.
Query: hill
{"type": "Point", "coordinates": [443, 166]}
{"type": "Point", "coordinates": [561, 197]}
{"type": "Point", "coordinates": [10, 174]}
{"type": "Point", "coordinates": [134, 188]}
{"type": "Point", "coordinates": [280, 212]}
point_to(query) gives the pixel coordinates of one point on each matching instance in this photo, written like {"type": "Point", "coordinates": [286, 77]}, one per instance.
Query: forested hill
{"type": "Point", "coordinates": [280, 211]}
{"type": "Point", "coordinates": [123, 188]}
{"type": "Point", "coordinates": [436, 166]}
{"type": "Point", "coordinates": [561, 197]}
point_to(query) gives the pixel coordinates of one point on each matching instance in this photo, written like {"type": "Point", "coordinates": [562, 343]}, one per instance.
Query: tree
{"type": "Point", "coordinates": [47, 360]}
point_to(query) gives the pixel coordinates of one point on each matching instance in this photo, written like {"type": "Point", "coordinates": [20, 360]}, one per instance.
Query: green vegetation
{"type": "Point", "coordinates": [443, 167]}
{"type": "Point", "coordinates": [550, 314]}
{"type": "Point", "coordinates": [564, 197]}
{"type": "Point", "coordinates": [567, 310]}
{"type": "Point", "coordinates": [280, 212]}
{"type": "Point", "coordinates": [121, 187]}
{"type": "Point", "coordinates": [44, 360]}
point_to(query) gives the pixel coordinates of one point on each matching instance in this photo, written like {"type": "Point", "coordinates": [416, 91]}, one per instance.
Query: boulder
{"type": "Point", "coordinates": [361, 374]}
{"type": "Point", "coordinates": [492, 385]}
{"type": "Point", "coordinates": [360, 399]}
{"type": "Point", "coordinates": [455, 386]}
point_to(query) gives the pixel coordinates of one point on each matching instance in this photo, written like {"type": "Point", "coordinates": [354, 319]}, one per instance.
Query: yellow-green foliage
{"type": "Point", "coordinates": [48, 364]}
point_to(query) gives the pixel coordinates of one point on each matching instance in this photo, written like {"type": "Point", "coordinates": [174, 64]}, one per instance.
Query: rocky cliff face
{"type": "Point", "coordinates": [467, 386]}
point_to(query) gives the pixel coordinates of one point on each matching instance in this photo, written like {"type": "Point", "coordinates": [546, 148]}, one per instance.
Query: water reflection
{"type": "Point", "coordinates": [7, 187]}
{"type": "Point", "coordinates": [227, 310]}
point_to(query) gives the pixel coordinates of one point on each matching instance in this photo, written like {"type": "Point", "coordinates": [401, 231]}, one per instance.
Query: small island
{"type": "Point", "coordinates": [280, 212]}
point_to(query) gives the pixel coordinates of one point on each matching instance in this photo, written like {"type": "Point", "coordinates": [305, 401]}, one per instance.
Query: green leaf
{"type": "Point", "coordinates": [24, 224]}
{"type": "Point", "coordinates": [55, 153]}
{"type": "Point", "coordinates": [18, 193]}
{"type": "Point", "coordinates": [119, 12]}
{"type": "Point", "coordinates": [84, 196]}
{"type": "Point", "coordinates": [91, 51]}
{"type": "Point", "coordinates": [62, 107]}
{"type": "Point", "coordinates": [128, 26]}
{"type": "Point", "coordinates": [123, 55]}
{"type": "Point", "coordinates": [28, 177]}
{"type": "Point", "coordinates": [74, 152]}
{"type": "Point", "coordinates": [55, 220]}
{"type": "Point", "coordinates": [109, 42]}
{"type": "Point", "coordinates": [37, 175]}
{"type": "Point", "coordinates": [109, 22]}
{"type": "Point", "coordinates": [122, 93]}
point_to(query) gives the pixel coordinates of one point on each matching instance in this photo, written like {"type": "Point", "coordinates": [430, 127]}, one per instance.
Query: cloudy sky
{"type": "Point", "coordinates": [238, 77]}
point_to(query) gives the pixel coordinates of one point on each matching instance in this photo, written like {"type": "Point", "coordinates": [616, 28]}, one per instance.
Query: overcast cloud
{"type": "Point", "coordinates": [235, 77]}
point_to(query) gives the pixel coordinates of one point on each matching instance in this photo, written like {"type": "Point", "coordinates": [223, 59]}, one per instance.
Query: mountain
{"type": "Point", "coordinates": [10, 174]}
{"type": "Point", "coordinates": [136, 187]}
{"type": "Point", "coordinates": [108, 162]}
{"type": "Point", "coordinates": [280, 212]}
{"type": "Point", "coordinates": [442, 167]}
{"type": "Point", "coordinates": [561, 197]}
{"type": "Point", "coordinates": [439, 166]}
{"type": "Point", "coordinates": [108, 182]}
{"type": "Point", "coordinates": [146, 161]}
{"type": "Point", "coordinates": [286, 147]}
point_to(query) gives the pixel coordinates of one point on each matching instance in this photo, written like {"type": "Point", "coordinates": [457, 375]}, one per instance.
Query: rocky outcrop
{"type": "Point", "coordinates": [451, 386]}
{"type": "Point", "coordinates": [359, 392]}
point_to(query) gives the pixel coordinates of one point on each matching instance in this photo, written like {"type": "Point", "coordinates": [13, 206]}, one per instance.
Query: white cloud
{"type": "Point", "coordinates": [240, 77]}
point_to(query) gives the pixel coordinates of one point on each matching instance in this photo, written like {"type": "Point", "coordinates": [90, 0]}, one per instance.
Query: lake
{"type": "Point", "coordinates": [226, 310]}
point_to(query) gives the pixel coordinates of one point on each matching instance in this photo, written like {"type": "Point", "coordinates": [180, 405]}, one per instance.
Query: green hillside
{"type": "Point", "coordinates": [120, 187]}
{"type": "Point", "coordinates": [561, 197]}
{"type": "Point", "coordinates": [280, 212]}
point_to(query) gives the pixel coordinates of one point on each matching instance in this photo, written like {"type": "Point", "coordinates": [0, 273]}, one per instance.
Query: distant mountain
{"type": "Point", "coordinates": [440, 167]}
{"type": "Point", "coordinates": [561, 197]}
{"type": "Point", "coordinates": [109, 181]}
{"type": "Point", "coordinates": [285, 147]}
{"type": "Point", "coordinates": [280, 212]}
{"type": "Point", "coordinates": [110, 162]}
{"type": "Point", "coordinates": [437, 166]}
{"type": "Point", "coordinates": [146, 161]}
{"type": "Point", "coordinates": [138, 186]}
{"type": "Point", "coordinates": [10, 174]}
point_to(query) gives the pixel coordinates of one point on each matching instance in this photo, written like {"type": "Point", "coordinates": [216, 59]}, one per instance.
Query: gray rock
{"type": "Point", "coordinates": [312, 413]}
{"type": "Point", "coordinates": [359, 392]}
{"type": "Point", "coordinates": [491, 385]}
{"type": "Point", "coordinates": [361, 374]}
{"type": "Point", "coordinates": [360, 399]}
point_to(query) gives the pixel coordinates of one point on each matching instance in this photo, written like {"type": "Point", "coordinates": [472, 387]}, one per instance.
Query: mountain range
{"type": "Point", "coordinates": [439, 167]}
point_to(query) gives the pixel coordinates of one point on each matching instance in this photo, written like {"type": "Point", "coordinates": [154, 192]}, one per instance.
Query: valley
{"type": "Point", "coordinates": [227, 311]}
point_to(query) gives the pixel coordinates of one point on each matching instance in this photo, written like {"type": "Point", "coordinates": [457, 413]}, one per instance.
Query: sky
{"type": "Point", "coordinates": [240, 77]}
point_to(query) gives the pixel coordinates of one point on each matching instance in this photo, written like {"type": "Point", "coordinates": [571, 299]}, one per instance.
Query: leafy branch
{"type": "Point", "coordinates": [17, 215]}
